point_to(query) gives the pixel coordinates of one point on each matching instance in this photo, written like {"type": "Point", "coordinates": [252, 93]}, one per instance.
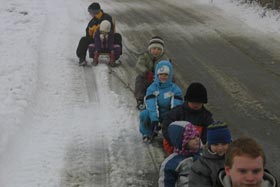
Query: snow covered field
{"type": "Point", "coordinates": [45, 105]}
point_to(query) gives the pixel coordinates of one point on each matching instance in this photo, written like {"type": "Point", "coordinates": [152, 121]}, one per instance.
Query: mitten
{"type": "Point", "coordinates": [112, 57]}
{"type": "Point", "coordinates": [150, 76]}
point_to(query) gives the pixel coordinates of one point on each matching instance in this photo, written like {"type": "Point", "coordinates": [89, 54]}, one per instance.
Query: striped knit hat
{"type": "Point", "coordinates": [156, 41]}
{"type": "Point", "coordinates": [218, 132]}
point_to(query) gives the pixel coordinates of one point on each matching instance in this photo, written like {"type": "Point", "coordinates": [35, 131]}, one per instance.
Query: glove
{"type": "Point", "coordinates": [140, 104]}
{"type": "Point", "coordinates": [150, 76]}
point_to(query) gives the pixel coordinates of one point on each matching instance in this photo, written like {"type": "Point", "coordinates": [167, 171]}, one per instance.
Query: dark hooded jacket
{"type": "Point", "coordinates": [94, 23]}
{"type": "Point", "coordinates": [201, 118]}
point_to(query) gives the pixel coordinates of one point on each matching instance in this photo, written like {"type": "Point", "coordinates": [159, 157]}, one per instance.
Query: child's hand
{"type": "Point", "coordinates": [150, 76]}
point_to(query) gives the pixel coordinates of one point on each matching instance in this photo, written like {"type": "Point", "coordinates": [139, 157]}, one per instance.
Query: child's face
{"type": "Point", "coordinates": [195, 106]}
{"type": "Point", "coordinates": [93, 13]}
{"type": "Point", "coordinates": [155, 51]}
{"type": "Point", "coordinates": [219, 148]}
{"type": "Point", "coordinates": [194, 143]}
{"type": "Point", "coordinates": [163, 77]}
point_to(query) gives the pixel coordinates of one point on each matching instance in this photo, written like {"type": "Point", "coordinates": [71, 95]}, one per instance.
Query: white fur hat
{"type": "Point", "coordinates": [105, 26]}
{"type": "Point", "coordinates": [163, 70]}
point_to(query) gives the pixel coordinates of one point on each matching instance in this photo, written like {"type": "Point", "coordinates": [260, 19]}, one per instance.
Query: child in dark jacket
{"type": "Point", "coordinates": [98, 16]}
{"type": "Point", "coordinates": [204, 171]}
{"type": "Point", "coordinates": [175, 169]}
{"type": "Point", "coordinates": [192, 110]}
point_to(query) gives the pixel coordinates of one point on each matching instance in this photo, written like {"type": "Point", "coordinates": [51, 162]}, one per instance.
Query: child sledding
{"type": "Point", "coordinates": [101, 41]}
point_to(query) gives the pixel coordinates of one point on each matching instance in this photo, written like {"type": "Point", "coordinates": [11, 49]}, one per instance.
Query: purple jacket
{"type": "Point", "coordinates": [105, 46]}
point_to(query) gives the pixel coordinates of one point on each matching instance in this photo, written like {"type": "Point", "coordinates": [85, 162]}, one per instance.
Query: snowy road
{"type": "Point", "coordinates": [64, 125]}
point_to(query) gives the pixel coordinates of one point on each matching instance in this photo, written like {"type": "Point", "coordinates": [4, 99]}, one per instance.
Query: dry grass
{"type": "Point", "coordinates": [268, 3]}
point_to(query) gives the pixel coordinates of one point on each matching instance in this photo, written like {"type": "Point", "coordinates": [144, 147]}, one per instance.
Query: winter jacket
{"type": "Point", "coordinates": [201, 119]}
{"type": "Point", "coordinates": [161, 97]}
{"type": "Point", "coordinates": [94, 23]}
{"type": "Point", "coordinates": [175, 169]}
{"type": "Point", "coordinates": [146, 62]}
{"type": "Point", "coordinates": [205, 170]}
{"type": "Point", "coordinates": [268, 179]}
{"type": "Point", "coordinates": [106, 45]}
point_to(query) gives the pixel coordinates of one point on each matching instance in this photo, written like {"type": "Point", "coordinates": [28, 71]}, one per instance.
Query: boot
{"type": "Point", "coordinates": [82, 61]}
{"type": "Point", "coordinates": [112, 59]}
{"type": "Point", "coordinates": [95, 58]}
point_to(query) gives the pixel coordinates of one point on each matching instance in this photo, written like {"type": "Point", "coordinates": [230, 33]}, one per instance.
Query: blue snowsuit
{"type": "Point", "coordinates": [160, 98]}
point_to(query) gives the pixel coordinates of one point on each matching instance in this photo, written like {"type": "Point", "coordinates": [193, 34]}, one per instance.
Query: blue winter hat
{"type": "Point", "coordinates": [218, 132]}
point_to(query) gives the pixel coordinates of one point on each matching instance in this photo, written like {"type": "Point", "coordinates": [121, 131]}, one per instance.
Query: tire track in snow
{"type": "Point", "coordinates": [87, 156]}
{"type": "Point", "coordinates": [134, 162]}
{"type": "Point", "coordinates": [86, 162]}
{"type": "Point", "coordinates": [91, 84]}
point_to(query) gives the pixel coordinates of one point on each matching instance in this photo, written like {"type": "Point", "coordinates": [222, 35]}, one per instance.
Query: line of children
{"type": "Point", "coordinates": [192, 110]}
{"type": "Point", "coordinates": [162, 95]}
{"type": "Point", "coordinates": [186, 166]}
{"type": "Point", "coordinates": [182, 140]}
{"type": "Point", "coordinates": [222, 163]}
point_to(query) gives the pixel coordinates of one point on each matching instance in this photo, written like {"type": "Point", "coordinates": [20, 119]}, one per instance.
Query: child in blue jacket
{"type": "Point", "coordinates": [175, 169]}
{"type": "Point", "coordinates": [161, 96]}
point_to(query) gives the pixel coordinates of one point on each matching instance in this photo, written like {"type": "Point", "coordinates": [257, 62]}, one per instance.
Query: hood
{"type": "Point", "coordinates": [180, 133]}
{"type": "Point", "coordinates": [268, 179]}
{"type": "Point", "coordinates": [105, 26]}
{"type": "Point", "coordinates": [160, 65]}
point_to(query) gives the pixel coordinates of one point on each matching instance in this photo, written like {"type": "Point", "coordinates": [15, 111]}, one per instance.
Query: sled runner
{"type": "Point", "coordinates": [104, 58]}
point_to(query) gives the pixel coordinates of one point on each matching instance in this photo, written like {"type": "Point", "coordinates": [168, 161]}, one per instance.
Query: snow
{"type": "Point", "coordinates": [44, 102]}
{"type": "Point", "coordinates": [263, 19]}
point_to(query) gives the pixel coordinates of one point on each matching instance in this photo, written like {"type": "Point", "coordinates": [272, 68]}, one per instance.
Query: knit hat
{"type": "Point", "coordinates": [196, 92]}
{"type": "Point", "coordinates": [180, 133]}
{"type": "Point", "coordinates": [156, 41]}
{"type": "Point", "coordinates": [94, 7]}
{"type": "Point", "coordinates": [105, 26]}
{"type": "Point", "coordinates": [218, 132]}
